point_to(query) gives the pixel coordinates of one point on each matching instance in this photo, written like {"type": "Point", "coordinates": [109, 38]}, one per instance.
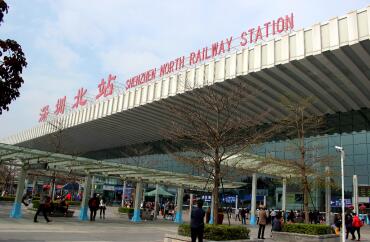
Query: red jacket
{"type": "Point", "coordinates": [357, 223]}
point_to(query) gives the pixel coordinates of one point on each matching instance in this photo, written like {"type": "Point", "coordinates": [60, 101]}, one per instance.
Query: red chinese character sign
{"type": "Point", "coordinates": [106, 89]}
{"type": "Point", "coordinates": [80, 101]}
{"type": "Point", "coordinates": [60, 106]}
{"type": "Point", "coordinates": [44, 113]}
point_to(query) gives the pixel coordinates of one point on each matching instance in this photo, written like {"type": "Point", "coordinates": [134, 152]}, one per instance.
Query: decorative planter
{"type": "Point", "coordinates": [293, 237]}
{"type": "Point", "coordinates": [179, 238]}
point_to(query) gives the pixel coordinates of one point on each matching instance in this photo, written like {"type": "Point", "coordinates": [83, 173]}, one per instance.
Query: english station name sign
{"type": "Point", "coordinates": [252, 36]}
{"type": "Point", "coordinates": [246, 38]}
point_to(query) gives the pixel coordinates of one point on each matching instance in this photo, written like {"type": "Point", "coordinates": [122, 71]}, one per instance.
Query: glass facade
{"type": "Point", "coordinates": [350, 130]}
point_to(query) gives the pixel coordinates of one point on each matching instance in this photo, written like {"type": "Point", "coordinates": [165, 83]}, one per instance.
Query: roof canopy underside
{"type": "Point", "coordinates": [32, 159]}
{"type": "Point", "coordinates": [329, 61]}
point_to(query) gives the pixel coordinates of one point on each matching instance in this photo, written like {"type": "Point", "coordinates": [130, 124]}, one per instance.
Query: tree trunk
{"type": "Point", "coordinates": [215, 197]}
{"type": "Point", "coordinates": [305, 199]}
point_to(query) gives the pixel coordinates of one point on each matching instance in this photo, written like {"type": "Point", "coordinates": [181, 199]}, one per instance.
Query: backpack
{"type": "Point", "coordinates": [93, 203]}
{"type": "Point", "coordinates": [357, 223]}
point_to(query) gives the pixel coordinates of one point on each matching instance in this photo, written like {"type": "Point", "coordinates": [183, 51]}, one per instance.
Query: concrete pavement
{"type": "Point", "coordinates": [116, 227]}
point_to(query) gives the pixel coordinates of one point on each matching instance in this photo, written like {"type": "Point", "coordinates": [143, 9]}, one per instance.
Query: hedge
{"type": "Point", "coordinates": [125, 210]}
{"type": "Point", "coordinates": [313, 229]}
{"type": "Point", "coordinates": [36, 203]}
{"type": "Point", "coordinates": [8, 199]}
{"type": "Point", "coordinates": [218, 232]}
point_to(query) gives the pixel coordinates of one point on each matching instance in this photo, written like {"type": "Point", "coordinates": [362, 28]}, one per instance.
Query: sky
{"type": "Point", "coordinates": [71, 44]}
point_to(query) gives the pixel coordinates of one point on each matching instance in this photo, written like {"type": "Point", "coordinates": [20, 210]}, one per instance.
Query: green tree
{"type": "Point", "coordinates": [12, 63]}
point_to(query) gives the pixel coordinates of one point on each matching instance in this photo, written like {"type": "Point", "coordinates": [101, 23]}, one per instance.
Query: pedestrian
{"type": "Point", "coordinates": [237, 215]}
{"type": "Point", "coordinates": [102, 207]}
{"type": "Point", "coordinates": [348, 222]}
{"type": "Point", "coordinates": [272, 215]}
{"type": "Point", "coordinates": [44, 205]}
{"type": "Point", "coordinates": [357, 224]}
{"type": "Point", "coordinates": [291, 216]}
{"type": "Point", "coordinates": [277, 223]}
{"type": "Point", "coordinates": [337, 223]}
{"type": "Point", "coordinates": [262, 223]}
{"type": "Point", "coordinates": [243, 213]}
{"type": "Point", "coordinates": [94, 206]}
{"type": "Point", "coordinates": [197, 222]}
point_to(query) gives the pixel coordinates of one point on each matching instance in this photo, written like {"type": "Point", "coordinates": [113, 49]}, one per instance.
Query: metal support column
{"type": "Point", "coordinates": [92, 187]}
{"type": "Point", "coordinates": [123, 193]}
{"type": "Point", "coordinates": [17, 206]}
{"type": "Point", "coordinates": [139, 188]}
{"type": "Point", "coordinates": [85, 199]}
{"type": "Point", "coordinates": [211, 218]}
{"type": "Point", "coordinates": [180, 198]}
{"type": "Point", "coordinates": [327, 196]}
{"type": "Point", "coordinates": [283, 197]}
{"type": "Point", "coordinates": [252, 220]}
{"type": "Point", "coordinates": [191, 205]}
{"type": "Point", "coordinates": [34, 182]}
{"type": "Point", "coordinates": [355, 193]}
{"type": "Point", "coordinates": [156, 201]}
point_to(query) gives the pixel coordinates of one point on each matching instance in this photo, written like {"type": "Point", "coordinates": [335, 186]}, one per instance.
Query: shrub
{"type": "Point", "coordinates": [313, 229]}
{"type": "Point", "coordinates": [125, 210]}
{"type": "Point", "coordinates": [36, 203]}
{"type": "Point", "coordinates": [218, 232]}
{"type": "Point", "coordinates": [74, 203]}
{"type": "Point", "coordinates": [8, 199]}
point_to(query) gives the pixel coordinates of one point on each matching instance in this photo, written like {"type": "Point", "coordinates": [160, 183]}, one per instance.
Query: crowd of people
{"type": "Point", "coordinates": [352, 222]}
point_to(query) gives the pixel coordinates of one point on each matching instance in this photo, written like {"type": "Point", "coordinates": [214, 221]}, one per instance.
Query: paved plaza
{"type": "Point", "coordinates": [115, 227]}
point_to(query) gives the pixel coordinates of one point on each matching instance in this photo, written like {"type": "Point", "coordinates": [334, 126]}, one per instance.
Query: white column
{"type": "Point", "coordinates": [92, 186]}
{"type": "Point", "coordinates": [191, 205]}
{"type": "Point", "coordinates": [53, 192]}
{"type": "Point", "coordinates": [180, 197]}
{"type": "Point", "coordinates": [252, 220]}
{"type": "Point", "coordinates": [85, 199]}
{"type": "Point", "coordinates": [283, 197]}
{"type": "Point", "coordinates": [156, 201]}
{"type": "Point", "coordinates": [17, 206]}
{"type": "Point", "coordinates": [355, 193]}
{"type": "Point", "coordinates": [123, 193]}
{"type": "Point", "coordinates": [34, 182]}
{"type": "Point", "coordinates": [138, 191]}
{"type": "Point", "coordinates": [236, 201]}
{"type": "Point", "coordinates": [327, 196]}
{"type": "Point", "coordinates": [212, 216]}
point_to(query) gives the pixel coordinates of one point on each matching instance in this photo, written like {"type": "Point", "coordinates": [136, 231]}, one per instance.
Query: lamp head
{"type": "Point", "coordinates": [339, 148]}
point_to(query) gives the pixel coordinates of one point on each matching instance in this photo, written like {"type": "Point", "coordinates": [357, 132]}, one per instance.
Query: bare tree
{"type": "Point", "coordinates": [306, 162]}
{"type": "Point", "coordinates": [9, 171]}
{"type": "Point", "coordinates": [214, 127]}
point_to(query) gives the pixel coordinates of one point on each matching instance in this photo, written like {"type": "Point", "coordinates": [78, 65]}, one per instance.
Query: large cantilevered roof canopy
{"type": "Point", "coordinates": [329, 61]}
{"type": "Point", "coordinates": [33, 159]}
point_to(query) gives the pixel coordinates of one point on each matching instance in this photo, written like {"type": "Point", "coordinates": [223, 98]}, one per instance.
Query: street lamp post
{"type": "Point", "coordinates": [340, 149]}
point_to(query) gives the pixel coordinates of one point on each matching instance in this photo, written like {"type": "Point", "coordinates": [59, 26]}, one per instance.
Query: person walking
{"type": "Point", "coordinates": [357, 224]}
{"type": "Point", "coordinates": [93, 206]}
{"type": "Point", "coordinates": [348, 222]}
{"type": "Point", "coordinates": [262, 223]}
{"type": "Point", "coordinates": [102, 207]}
{"type": "Point", "coordinates": [44, 205]}
{"type": "Point", "coordinates": [243, 213]}
{"type": "Point", "coordinates": [197, 222]}
{"type": "Point", "coordinates": [237, 215]}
